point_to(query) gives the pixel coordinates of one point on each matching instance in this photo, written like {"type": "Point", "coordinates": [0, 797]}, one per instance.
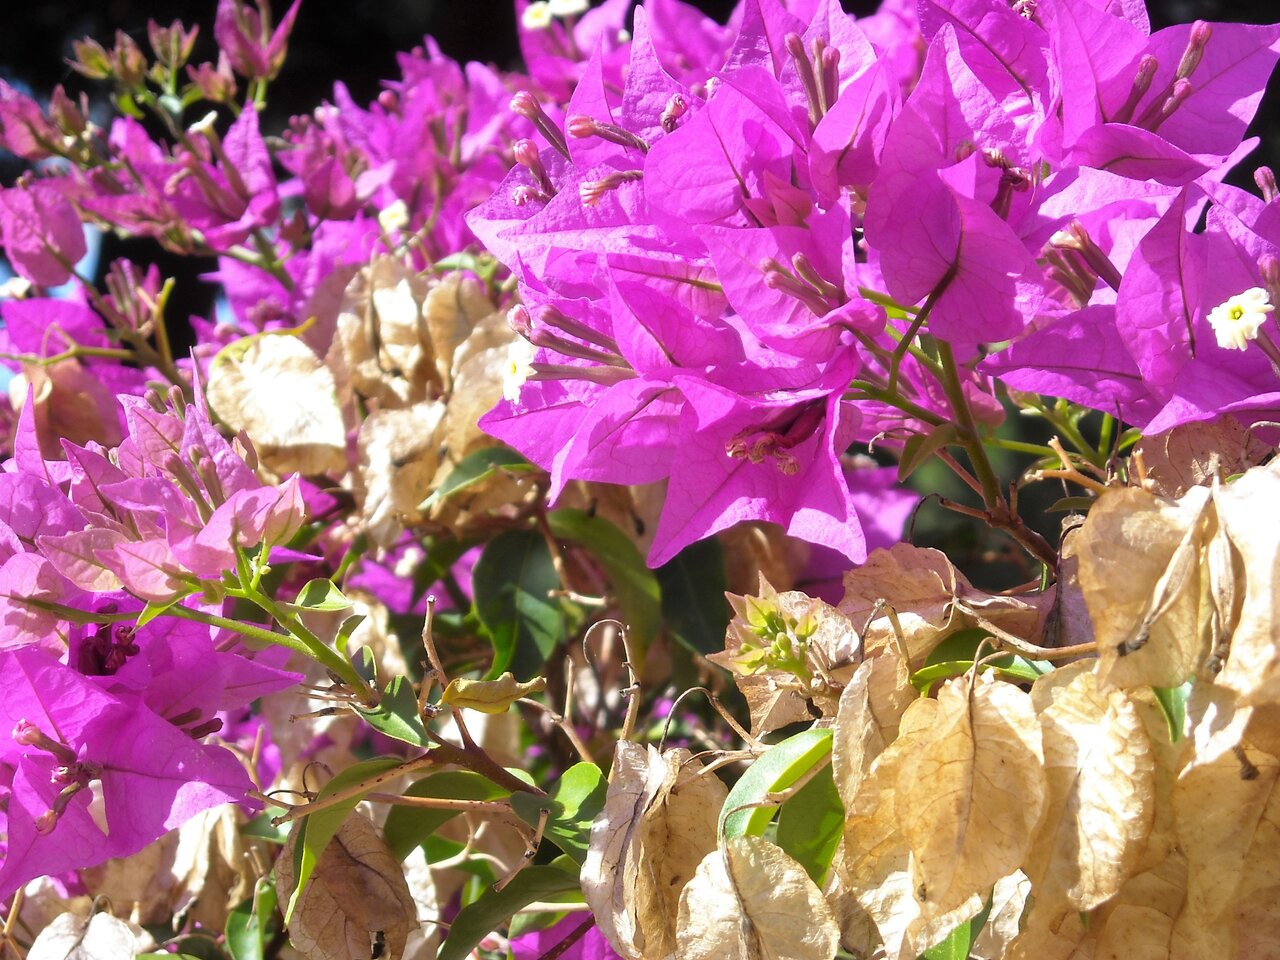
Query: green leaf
{"type": "Point", "coordinates": [953, 657]}
{"type": "Point", "coordinates": [693, 584]}
{"type": "Point", "coordinates": [572, 804]}
{"type": "Point", "coordinates": [247, 924]}
{"type": "Point", "coordinates": [262, 828]}
{"type": "Point", "coordinates": [512, 584]}
{"type": "Point", "coordinates": [345, 629]}
{"type": "Point", "coordinates": [919, 447]}
{"type": "Point", "coordinates": [1071, 504]}
{"type": "Point", "coordinates": [474, 467]}
{"type": "Point", "coordinates": [633, 583]}
{"type": "Point", "coordinates": [477, 920]}
{"type": "Point", "coordinates": [777, 769]}
{"type": "Point", "coordinates": [1173, 704]}
{"type": "Point", "coordinates": [960, 940]}
{"type": "Point", "coordinates": [811, 823]}
{"type": "Point", "coordinates": [408, 827]}
{"type": "Point", "coordinates": [1012, 667]}
{"type": "Point", "coordinates": [317, 829]}
{"type": "Point", "coordinates": [321, 594]}
{"type": "Point", "coordinates": [397, 714]}
{"type": "Point", "coordinates": [153, 610]}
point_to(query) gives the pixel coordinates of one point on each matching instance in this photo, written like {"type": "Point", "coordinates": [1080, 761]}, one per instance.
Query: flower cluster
{"type": "Point", "coordinates": [108, 707]}
{"type": "Point", "coordinates": [703, 252]}
{"type": "Point", "coordinates": [731, 270]}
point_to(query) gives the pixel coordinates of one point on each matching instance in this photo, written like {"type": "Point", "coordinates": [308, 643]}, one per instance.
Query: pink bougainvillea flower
{"type": "Point", "coordinates": [93, 775]}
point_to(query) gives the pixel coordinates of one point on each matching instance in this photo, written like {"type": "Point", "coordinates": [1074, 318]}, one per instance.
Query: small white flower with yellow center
{"type": "Point", "coordinates": [518, 368]}
{"type": "Point", "coordinates": [395, 216]}
{"type": "Point", "coordinates": [1236, 322]}
{"type": "Point", "coordinates": [536, 16]}
{"type": "Point", "coordinates": [568, 8]}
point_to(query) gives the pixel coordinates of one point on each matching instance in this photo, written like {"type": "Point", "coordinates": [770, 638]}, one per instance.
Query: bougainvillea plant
{"type": "Point", "coordinates": [520, 560]}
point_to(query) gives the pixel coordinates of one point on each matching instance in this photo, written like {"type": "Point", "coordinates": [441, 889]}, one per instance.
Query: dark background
{"type": "Point", "coordinates": [357, 42]}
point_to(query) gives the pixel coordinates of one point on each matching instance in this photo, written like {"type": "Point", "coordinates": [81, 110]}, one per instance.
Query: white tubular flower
{"type": "Point", "coordinates": [518, 367]}
{"type": "Point", "coordinates": [536, 16]}
{"type": "Point", "coordinates": [394, 217]}
{"type": "Point", "coordinates": [568, 8]}
{"type": "Point", "coordinates": [1236, 322]}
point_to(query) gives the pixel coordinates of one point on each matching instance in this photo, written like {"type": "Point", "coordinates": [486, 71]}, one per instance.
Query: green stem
{"type": "Point", "coordinates": [1105, 436]}
{"type": "Point", "coordinates": [1021, 446]}
{"type": "Point", "coordinates": [968, 428]}
{"type": "Point", "coordinates": [252, 632]}
{"type": "Point", "coordinates": [870, 391]}
{"type": "Point", "coordinates": [1074, 437]}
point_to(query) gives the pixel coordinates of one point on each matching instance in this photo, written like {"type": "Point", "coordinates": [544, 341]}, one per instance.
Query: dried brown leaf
{"type": "Point", "coordinates": [357, 895]}
{"type": "Point", "coordinates": [658, 822]}
{"type": "Point", "coordinates": [751, 900]}
{"type": "Point", "coordinates": [971, 791]}
{"type": "Point", "coordinates": [1100, 774]}
{"type": "Point", "coordinates": [278, 392]}
{"type": "Point", "coordinates": [1140, 560]}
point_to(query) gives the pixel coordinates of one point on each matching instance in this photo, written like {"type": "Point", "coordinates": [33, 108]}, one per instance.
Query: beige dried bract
{"type": "Point", "coordinates": [1249, 515]}
{"type": "Point", "coordinates": [357, 895]}
{"type": "Point", "coordinates": [275, 389]}
{"type": "Point", "coordinates": [750, 900]}
{"type": "Point", "coordinates": [1197, 454]}
{"type": "Point", "coordinates": [931, 600]}
{"type": "Point", "coordinates": [877, 864]}
{"type": "Point", "coordinates": [1140, 570]}
{"type": "Point", "coordinates": [1100, 772]}
{"type": "Point", "coordinates": [399, 454]}
{"type": "Point", "coordinates": [658, 822]}
{"type": "Point", "coordinates": [970, 790]}
{"type": "Point", "coordinates": [97, 937]}
{"type": "Point", "coordinates": [1225, 804]}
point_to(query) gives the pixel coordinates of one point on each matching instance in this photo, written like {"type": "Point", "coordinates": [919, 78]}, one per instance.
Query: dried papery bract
{"type": "Point", "coordinates": [877, 864]}
{"type": "Point", "coordinates": [750, 900]}
{"type": "Point", "coordinates": [871, 707]}
{"type": "Point", "coordinates": [1140, 570]}
{"type": "Point", "coordinates": [1225, 809]}
{"type": "Point", "coordinates": [97, 937]}
{"type": "Point", "coordinates": [658, 822]}
{"type": "Point", "coordinates": [356, 895]}
{"type": "Point", "coordinates": [282, 395]}
{"type": "Point", "coordinates": [399, 453]}
{"type": "Point", "coordinates": [929, 598]}
{"type": "Point", "coordinates": [1101, 790]}
{"type": "Point", "coordinates": [970, 791]}
{"type": "Point", "coordinates": [1249, 516]}
{"type": "Point", "coordinates": [1196, 454]}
